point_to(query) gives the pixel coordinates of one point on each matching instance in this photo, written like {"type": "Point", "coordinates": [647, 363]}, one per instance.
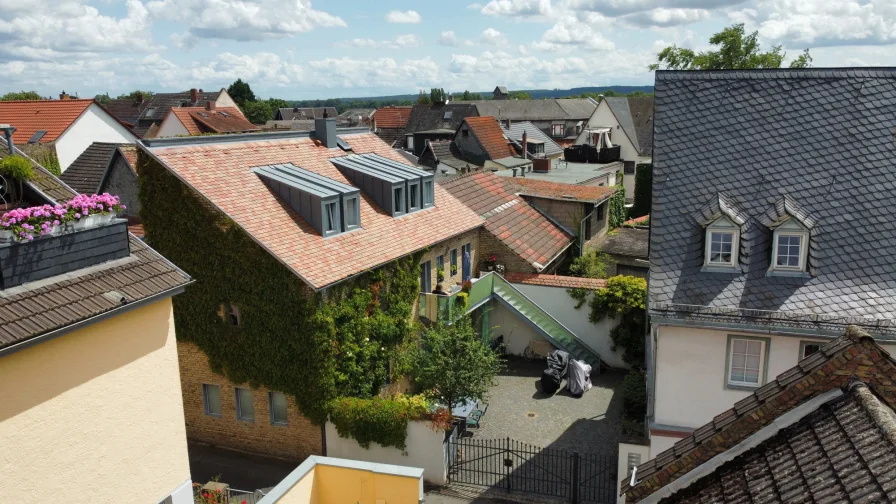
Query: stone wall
{"type": "Point", "coordinates": [444, 249]}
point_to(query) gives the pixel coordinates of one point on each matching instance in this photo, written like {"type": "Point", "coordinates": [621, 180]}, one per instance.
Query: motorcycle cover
{"type": "Point", "coordinates": [579, 379]}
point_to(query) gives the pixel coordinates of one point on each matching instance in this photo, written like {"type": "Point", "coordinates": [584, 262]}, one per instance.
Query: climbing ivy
{"type": "Point", "coordinates": [617, 207]}
{"type": "Point", "coordinates": [643, 191]}
{"type": "Point", "coordinates": [315, 346]}
{"type": "Point", "coordinates": [624, 297]}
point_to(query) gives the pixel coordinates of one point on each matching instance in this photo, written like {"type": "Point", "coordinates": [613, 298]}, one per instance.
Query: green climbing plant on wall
{"type": "Point", "coordinates": [315, 346]}
{"type": "Point", "coordinates": [617, 207]}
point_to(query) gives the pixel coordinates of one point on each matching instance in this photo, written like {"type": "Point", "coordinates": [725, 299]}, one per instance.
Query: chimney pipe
{"type": "Point", "coordinates": [194, 95]}
{"type": "Point", "coordinates": [210, 105]}
{"type": "Point", "coordinates": [138, 98]}
{"type": "Point", "coordinates": [325, 131]}
{"type": "Point", "coordinates": [8, 130]}
{"type": "Point", "coordinates": [525, 145]}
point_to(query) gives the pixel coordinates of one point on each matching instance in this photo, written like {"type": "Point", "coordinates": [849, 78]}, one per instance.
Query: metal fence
{"type": "Point", "coordinates": [235, 496]}
{"type": "Point", "coordinates": [520, 467]}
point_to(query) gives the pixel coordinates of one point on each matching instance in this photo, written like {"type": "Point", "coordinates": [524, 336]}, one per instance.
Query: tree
{"type": "Point", "coordinates": [257, 112]}
{"type": "Point", "coordinates": [423, 99]}
{"type": "Point", "coordinates": [21, 95]}
{"type": "Point", "coordinates": [437, 95]}
{"type": "Point", "coordinates": [643, 191]}
{"type": "Point", "coordinates": [453, 365]}
{"type": "Point", "coordinates": [241, 93]}
{"type": "Point", "coordinates": [518, 95]}
{"type": "Point", "coordinates": [468, 96]}
{"type": "Point", "coordinates": [277, 103]}
{"type": "Point", "coordinates": [102, 99]}
{"type": "Point", "coordinates": [735, 51]}
{"type": "Point", "coordinates": [133, 95]}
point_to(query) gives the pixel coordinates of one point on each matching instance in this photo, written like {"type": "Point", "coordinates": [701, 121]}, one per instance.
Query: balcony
{"type": "Point", "coordinates": [438, 307]}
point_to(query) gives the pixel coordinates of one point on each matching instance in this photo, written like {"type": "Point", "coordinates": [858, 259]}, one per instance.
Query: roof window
{"type": "Point", "coordinates": [396, 187]}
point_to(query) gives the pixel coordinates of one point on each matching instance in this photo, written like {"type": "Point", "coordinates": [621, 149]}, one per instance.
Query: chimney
{"type": "Point", "coordinates": [541, 165]}
{"type": "Point", "coordinates": [525, 145]}
{"type": "Point", "coordinates": [325, 131]}
{"type": "Point", "coordinates": [194, 95]}
{"type": "Point", "coordinates": [64, 96]}
{"type": "Point", "coordinates": [210, 105]}
{"type": "Point", "coordinates": [8, 130]}
{"type": "Point", "coordinates": [138, 98]}
{"type": "Point", "coordinates": [508, 124]}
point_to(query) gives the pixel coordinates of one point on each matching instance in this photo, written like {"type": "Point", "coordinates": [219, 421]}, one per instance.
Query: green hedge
{"type": "Point", "coordinates": [377, 420]}
{"type": "Point", "coordinates": [634, 403]}
{"type": "Point", "coordinates": [643, 191]}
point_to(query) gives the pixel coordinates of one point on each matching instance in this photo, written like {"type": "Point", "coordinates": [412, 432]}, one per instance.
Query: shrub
{"type": "Point", "coordinates": [17, 168]}
{"type": "Point", "coordinates": [624, 297]}
{"type": "Point", "coordinates": [634, 395]}
{"type": "Point", "coordinates": [632, 428]}
{"type": "Point", "coordinates": [593, 264]}
{"type": "Point", "coordinates": [379, 420]}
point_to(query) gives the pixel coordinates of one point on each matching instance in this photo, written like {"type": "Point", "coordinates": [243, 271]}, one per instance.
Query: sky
{"type": "Point", "coordinates": [307, 49]}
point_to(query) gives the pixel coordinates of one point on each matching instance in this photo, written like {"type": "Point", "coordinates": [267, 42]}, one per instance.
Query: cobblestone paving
{"type": "Point", "coordinates": [518, 409]}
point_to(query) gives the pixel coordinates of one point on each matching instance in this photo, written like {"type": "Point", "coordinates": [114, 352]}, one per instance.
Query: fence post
{"type": "Point", "coordinates": [575, 477]}
{"type": "Point", "coordinates": [507, 463]}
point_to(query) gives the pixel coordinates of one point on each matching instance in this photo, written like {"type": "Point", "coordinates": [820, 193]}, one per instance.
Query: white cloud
{"type": "Point", "coordinates": [667, 17]}
{"type": "Point", "coordinates": [185, 41]}
{"type": "Point", "coordinates": [244, 20]}
{"type": "Point", "coordinates": [524, 8]}
{"type": "Point", "coordinates": [379, 72]}
{"type": "Point", "coordinates": [492, 36]}
{"type": "Point", "coordinates": [69, 27]}
{"type": "Point", "coordinates": [448, 38]}
{"type": "Point", "coordinates": [613, 8]}
{"type": "Point", "coordinates": [406, 17]}
{"type": "Point", "coordinates": [399, 42]}
{"type": "Point", "coordinates": [824, 22]}
{"type": "Point", "coordinates": [570, 33]}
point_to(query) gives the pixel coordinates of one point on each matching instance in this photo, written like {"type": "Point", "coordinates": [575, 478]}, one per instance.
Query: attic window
{"type": "Point", "coordinates": [466, 133]}
{"type": "Point", "coordinates": [790, 247]}
{"type": "Point", "coordinates": [448, 114]}
{"type": "Point", "coordinates": [225, 114]}
{"type": "Point", "coordinates": [35, 138]}
{"type": "Point", "coordinates": [722, 241]}
{"type": "Point", "coordinates": [394, 186]}
{"type": "Point", "coordinates": [149, 112]}
{"type": "Point", "coordinates": [557, 130]}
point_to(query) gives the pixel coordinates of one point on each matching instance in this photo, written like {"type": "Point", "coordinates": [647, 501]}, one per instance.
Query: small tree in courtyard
{"type": "Point", "coordinates": [453, 365]}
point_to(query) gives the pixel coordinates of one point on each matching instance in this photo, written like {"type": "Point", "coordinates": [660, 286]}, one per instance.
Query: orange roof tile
{"type": "Point", "coordinates": [199, 120]}
{"type": "Point", "coordinates": [222, 173]}
{"type": "Point", "coordinates": [52, 116]}
{"type": "Point", "coordinates": [509, 218]}
{"type": "Point", "coordinates": [130, 154]}
{"type": "Point", "coordinates": [560, 191]}
{"type": "Point", "coordinates": [555, 280]}
{"type": "Point", "coordinates": [392, 117]}
{"type": "Point", "coordinates": [490, 136]}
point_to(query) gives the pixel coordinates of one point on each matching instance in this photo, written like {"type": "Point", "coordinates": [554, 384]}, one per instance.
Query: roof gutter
{"type": "Point", "coordinates": [772, 330]}
{"type": "Point", "coordinates": [92, 320]}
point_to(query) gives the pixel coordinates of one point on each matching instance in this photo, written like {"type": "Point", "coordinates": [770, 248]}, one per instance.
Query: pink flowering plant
{"type": "Point", "coordinates": [27, 223]}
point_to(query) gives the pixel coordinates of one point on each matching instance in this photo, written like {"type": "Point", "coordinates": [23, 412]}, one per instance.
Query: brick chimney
{"type": "Point", "coordinates": [194, 95]}
{"type": "Point", "coordinates": [525, 145]}
{"type": "Point", "coordinates": [541, 165]}
{"type": "Point", "coordinates": [210, 105]}
{"type": "Point", "coordinates": [64, 96]}
{"type": "Point", "coordinates": [138, 98]}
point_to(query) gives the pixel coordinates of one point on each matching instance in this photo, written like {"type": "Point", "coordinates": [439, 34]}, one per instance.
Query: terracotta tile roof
{"type": "Point", "coordinates": [559, 191]}
{"type": "Point", "coordinates": [130, 154]}
{"type": "Point", "coordinates": [52, 116]}
{"type": "Point", "coordinates": [510, 218]}
{"type": "Point", "coordinates": [555, 280]}
{"type": "Point", "coordinates": [490, 136]}
{"type": "Point", "coordinates": [850, 360]}
{"type": "Point", "coordinates": [221, 172]}
{"type": "Point", "coordinates": [392, 117]}
{"type": "Point", "coordinates": [198, 120]}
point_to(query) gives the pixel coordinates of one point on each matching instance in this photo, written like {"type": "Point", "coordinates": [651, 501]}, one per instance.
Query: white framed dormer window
{"type": "Point", "coordinates": [722, 242]}
{"type": "Point", "coordinates": [747, 358]}
{"type": "Point", "coordinates": [790, 247]}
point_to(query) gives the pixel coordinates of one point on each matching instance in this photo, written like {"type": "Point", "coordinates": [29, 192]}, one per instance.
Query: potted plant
{"type": "Point", "coordinates": [453, 269]}
{"type": "Point", "coordinates": [490, 261]}
{"type": "Point", "coordinates": [440, 274]}
{"type": "Point", "coordinates": [24, 224]}
{"type": "Point", "coordinates": [94, 210]}
{"type": "Point", "coordinates": [16, 170]}
{"type": "Point", "coordinates": [467, 286]}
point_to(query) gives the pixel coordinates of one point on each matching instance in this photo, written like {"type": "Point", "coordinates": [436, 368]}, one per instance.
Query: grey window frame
{"type": "Point", "coordinates": [348, 214]}
{"type": "Point", "coordinates": [331, 218]}
{"type": "Point", "coordinates": [428, 193]}
{"type": "Point", "coordinates": [205, 402]}
{"type": "Point", "coordinates": [271, 409]}
{"type": "Point", "coordinates": [399, 203]}
{"type": "Point", "coordinates": [239, 406]}
{"type": "Point", "coordinates": [414, 191]}
{"type": "Point", "coordinates": [763, 362]}
{"type": "Point", "coordinates": [453, 263]}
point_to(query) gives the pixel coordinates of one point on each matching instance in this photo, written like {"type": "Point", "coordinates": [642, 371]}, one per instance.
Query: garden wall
{"type": "Point", "coordinates": [425, 449]}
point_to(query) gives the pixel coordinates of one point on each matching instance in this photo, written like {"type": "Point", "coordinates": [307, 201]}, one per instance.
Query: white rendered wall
{"type": "Point", "coordinates": [94, 125]}
{"type": "Point", "coordinates": [171, 127]}
{"type": "Point", "coordinates": [425, 449]}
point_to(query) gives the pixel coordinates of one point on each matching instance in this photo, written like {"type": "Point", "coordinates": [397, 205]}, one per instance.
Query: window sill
{"type": "Point", "coordinates": [215, 415]}
{"type": "Point", "coordinates": [786, 273]}
{"type": "Point", "coordinates": [751, 388]}
{"type": "Point", "coordinates": [247, 420]}
{"type": "Point", "coordinates": [721, 269]}
{"type": "Point", "coordinates": [280, 424]}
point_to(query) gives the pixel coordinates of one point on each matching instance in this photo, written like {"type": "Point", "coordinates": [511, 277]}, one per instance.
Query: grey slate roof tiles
{"type": "Point", "coordinates": [515, 134]}
{"type": "Point", "coordinates": [635, 115]}
{"type": "Point", "coordinates": [823, 138]}
{"type": "Point", "coordinates": [431, 117]}
{"type": "Point", "coordinates": [86, 173]}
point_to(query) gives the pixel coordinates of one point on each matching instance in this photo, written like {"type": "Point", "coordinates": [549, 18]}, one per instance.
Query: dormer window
{"type": "Point", "coordinates": [790, 247]}
{"type": "Point", "coordinates": [722, 238]}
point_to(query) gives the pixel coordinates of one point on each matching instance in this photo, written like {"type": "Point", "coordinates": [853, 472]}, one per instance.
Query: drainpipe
{"type": "Point", "coordinates": [8, 130]}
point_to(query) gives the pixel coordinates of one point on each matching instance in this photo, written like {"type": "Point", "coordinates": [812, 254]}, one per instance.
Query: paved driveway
{"type": "Point", "coordinates": [517, 408]}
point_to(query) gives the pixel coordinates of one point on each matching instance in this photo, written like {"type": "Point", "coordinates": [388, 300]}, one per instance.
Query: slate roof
{"type": "Point", "coordinates": [199, 120]}
{"type": "Point", "coordinates": [490, 136]}
{"type": "Point", "coordinates": [87, 172]}
{"type": "Point", "coordinates": [220, 170]}
{"type": "Point", "coordinates": [625, 241]}
{"type": "Point", "coordinates": [510, 218]}
{"type": "Point", "coordinates": [824, 138]}
{"type": "Point", "coordinates": [432, 117]}
{"type": "Point", "coordinates": [446, 152]}
{"type": "Point", "coordinates": [835, 444]}
{"type": "Point", "coordinates": [566, 282]}
{"type": "Point", "coordinates": [392, 117]}
{"type": "Point", "coordinates": [131, 112]}
{"type": "Point", "coordinates": [635, 115]}
{"type": "Point", "coordinates": [30, 116]}
{"type": "Point", "coordinates": [515, 134]}
{"type": "Point", "coordinates": [561, 109]}
{"type": "Point", "coordinates": [308, 113]}
{"type": "Point", "coordinates": [559, 191]}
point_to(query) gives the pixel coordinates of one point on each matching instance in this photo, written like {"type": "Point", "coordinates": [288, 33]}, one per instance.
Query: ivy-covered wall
{"type": "Point", "coordinates": [290, 339]}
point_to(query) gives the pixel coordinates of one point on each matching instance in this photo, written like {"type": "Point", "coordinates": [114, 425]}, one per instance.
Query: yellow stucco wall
{"type": "Point", "coordinates": [329, 484]}
{"type": "Point", "coordinates": [302, 492]}
{"type": "Point", "coordinates": [95, 415]}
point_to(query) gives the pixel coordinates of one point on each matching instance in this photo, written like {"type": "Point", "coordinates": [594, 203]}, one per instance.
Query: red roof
{"type": "Point", "coordinates": [510, 218]}
{"type": "Point", "coordinates": [636, 220]}
{"type": "Point", "coordinates": [559, 191]}
{"type": "Point", "coordinates": [555, 280]}
{"type": "Point", "coordinates": [392, 117]}
{"type": "Point", "coordinates": [52, 116]}
{"type": "Point", "coordinates": [222, 173]}
{"type": "Point", "coordinates": [130, 154]}
{"type": "Point", "coordinates": [198, 120]}
{"type": "Point", "coordinates": [490, 136]}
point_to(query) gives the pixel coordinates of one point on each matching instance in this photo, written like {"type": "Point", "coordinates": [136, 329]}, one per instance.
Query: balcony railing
{"type": "Point", "coordinates": [446, 308]}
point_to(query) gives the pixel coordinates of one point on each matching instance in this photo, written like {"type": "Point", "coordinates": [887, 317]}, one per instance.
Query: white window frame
{"type": "Point", "coordinates": [805, 344]}
{"type": "Point", "coordinates": [555, 127]}
{"type": "Point", "coordinates": [763, 353]}
{"type": "Point", "coordinates": [735, 245]}
{"type": "Point", "coordinates": [804, 250]}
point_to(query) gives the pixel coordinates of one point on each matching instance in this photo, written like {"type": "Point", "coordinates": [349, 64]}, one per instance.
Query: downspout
{"type": "Point", "coordinates": [582, 230]}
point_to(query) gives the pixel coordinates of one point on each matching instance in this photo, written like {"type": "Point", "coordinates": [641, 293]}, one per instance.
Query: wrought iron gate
{"type": "Point", "coordinates": [520, 467]}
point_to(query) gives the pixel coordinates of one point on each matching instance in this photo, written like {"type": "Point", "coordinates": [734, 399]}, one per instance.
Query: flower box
{"type": "Point", "coordinates": [62, 252]}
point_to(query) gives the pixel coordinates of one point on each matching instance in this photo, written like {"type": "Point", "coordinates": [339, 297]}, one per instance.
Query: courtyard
{"type": "Point", "coordinates": [518, 409]}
